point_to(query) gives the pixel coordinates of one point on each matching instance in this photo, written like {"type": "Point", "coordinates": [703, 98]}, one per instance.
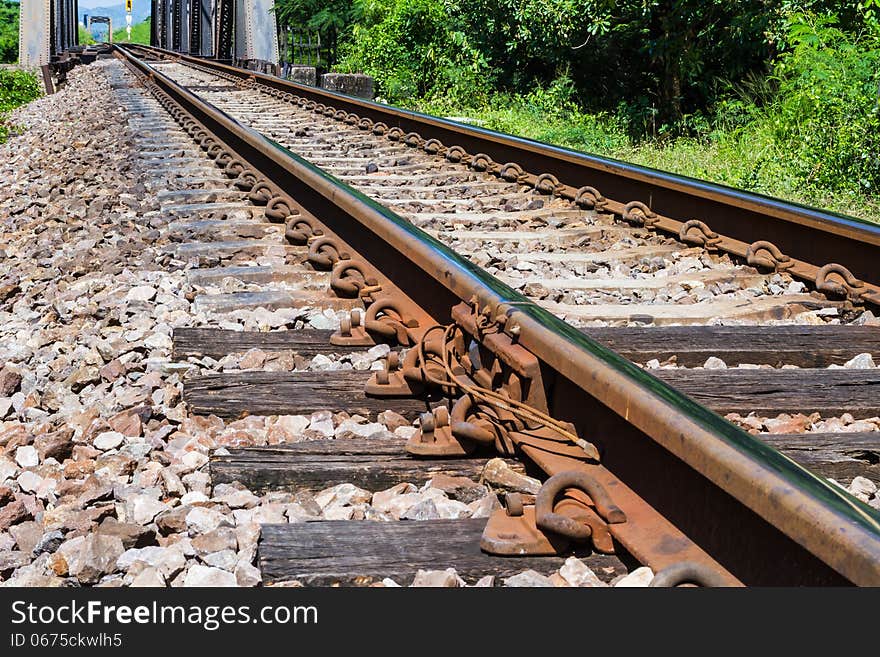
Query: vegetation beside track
{"type": "Point", "coordinates": [16, 88]}
{"type": "Point", "coordinates": [781, 98]}
{"type": "Point", "coordinates": [8, 32]}
{"type": "Point", "coordinates": [140, 33]}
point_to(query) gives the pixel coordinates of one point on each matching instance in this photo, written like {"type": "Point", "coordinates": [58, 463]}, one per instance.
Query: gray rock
{"type": "Point", "coordinates": [7, 542]}
{"type": "Point", "coordinates": [862, 488]}
{"type": "Point", "coordinates": [240, 499]}
{"type": "Point", "coordinates": [860, 362]}
{"type": "Point", "coordinates": [173, 521]}
{"type": "Point", "coordinates": [483, 507]}
{"type": "Point", "coordinates": [222, 538]}
{"type": "Point", "coordinates": [57, 445]}
{"type": "Point", "coordinates": [458, 488]}
{"type": "Point", "coordinates": [225, 559]}
{"type": "Point", "coordinates": [195, 498]}
{"type": "Point", "coordinates": [424, 510]}
{"type": "Point", "coordinates": [201, 520]}
{"type": "Point", "coordinates": [172, 483]}
{"type": "Point", "coordinates": [142, 509]}
{"type": "Point", "coordinates": [198, 482]}
{"type": "Point", "coordinates": [640, 577]}
{"type": "Point", "coordinates": [342, 495]}
{"type": "Point", "coordinates": [577, 573]}
{"type": "Point", "coordinates": [167, 560]}
{"type": "Point", "coordinates": [27, 535]}
{"type": "Point", "coordinates": [451, 509]}
{"type": "Point", "coordinates": [10, 560]}
{"type": "Point", "coordinates": [202, 576]}
{"type": "Point", "coordinates": [529, 578]}
{"type": "Point", "coordinates": [27, 457]}
{"type": "Point", "coordinates": [149, 578]}
{"type": "Point", "coordinates": [867, 318]}
{"type": "Point", "coordinates": [108, 440]}
{"type": "Point", "coordinates": [500, 475]}
{"type": "Point", "coordinates": [393, 420]}
{"type": "Point", "coordinates": [29, 481]}
{"type": "Point", "coordinates": [12, 513]}
{"type": "Point", "coordinates": [8, 468]}
{"type": "Point", "coordinates": [247, 535]}
{"type": "Point", "coordinates": [141, 293]}
{"type": "Point", "coordinates": [352, 429]}
{"type": "Point", "coordinates": [247, 575]}
{"type": "Point", "coordinates": [49, 542]}
{"type": "Point", "coordinates": [132, 535]}
{"type": "Point", "coordinates": [437, 578]}
{"type": "Point", "coordinates": [98, 558]}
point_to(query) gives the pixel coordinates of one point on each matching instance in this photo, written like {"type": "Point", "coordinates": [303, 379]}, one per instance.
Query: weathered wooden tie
{"type": "Point", "coordinates": [764, 391]}
{"type": "Point", "coordinates": [359, 552]}
{"type": "Point", "coordinates": [804, 346]}
{"type": "Point", "coordinates": [218, 343]}
{"type": "Point", "coordinates": [372, 464]}
{"type": "Point", "coordinates": [289, 393]}
{"type": "Point", "coordinates": [840, 456]}
{"type": "Point", "coordinates": [771, 391]}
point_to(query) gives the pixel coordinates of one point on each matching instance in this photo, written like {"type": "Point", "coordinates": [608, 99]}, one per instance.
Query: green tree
{"type": "Point", "coordinates": [8, 31]}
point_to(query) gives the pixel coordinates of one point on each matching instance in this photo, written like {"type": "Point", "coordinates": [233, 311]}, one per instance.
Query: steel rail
{"type": "Point", "coordinates": [807, 238]}
{"type": "Point", "coordinates": [763, 517]}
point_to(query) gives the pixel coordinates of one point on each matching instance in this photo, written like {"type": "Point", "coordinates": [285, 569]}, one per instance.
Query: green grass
{"type": "Point", "coordinates": [747, 158]}
{"type": "Point", "coordinates": [140, 33]}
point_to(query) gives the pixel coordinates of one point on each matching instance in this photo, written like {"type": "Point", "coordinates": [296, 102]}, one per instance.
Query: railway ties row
{"type": "Point", "coordinates": [696, 385]}
{"type": "Point", "coordinates": [471, 231]}
{"type": "Point", "coordinates": [583, 266]}
{"type": "Point", "coordinates": [240, 269]}
{"type": "Point", "coordinates": [284, 433]}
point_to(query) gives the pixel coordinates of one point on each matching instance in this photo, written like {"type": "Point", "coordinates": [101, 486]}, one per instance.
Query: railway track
{"type": "Point", "coordinates": [583, 264]}
{"type": "Point", "coordinates": [486, 318]}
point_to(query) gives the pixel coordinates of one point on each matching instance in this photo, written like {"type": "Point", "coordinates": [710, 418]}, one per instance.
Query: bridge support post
{"type": "Point", "coordinates": [155, 19]}
{"type": "Point", "coordinates": [224, 30]}
{"type": "Point", "coordinates": [256, 34]}
{"type": "Point", "coordinates": [34, 33]}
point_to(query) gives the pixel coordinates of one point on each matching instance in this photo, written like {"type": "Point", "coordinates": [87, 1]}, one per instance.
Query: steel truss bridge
{"type": "Point", "coordinates": [235, 31]}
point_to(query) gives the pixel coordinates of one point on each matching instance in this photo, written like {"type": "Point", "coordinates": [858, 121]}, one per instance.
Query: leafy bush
{"type": "Point", "coordinates": [414, 49]}
{"type": "Point", "coordinates": [8, 31]}
{"type": "Point", "coordinates": [16, 88]}
{"type": "Point", "coordinates": [826, 119]}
